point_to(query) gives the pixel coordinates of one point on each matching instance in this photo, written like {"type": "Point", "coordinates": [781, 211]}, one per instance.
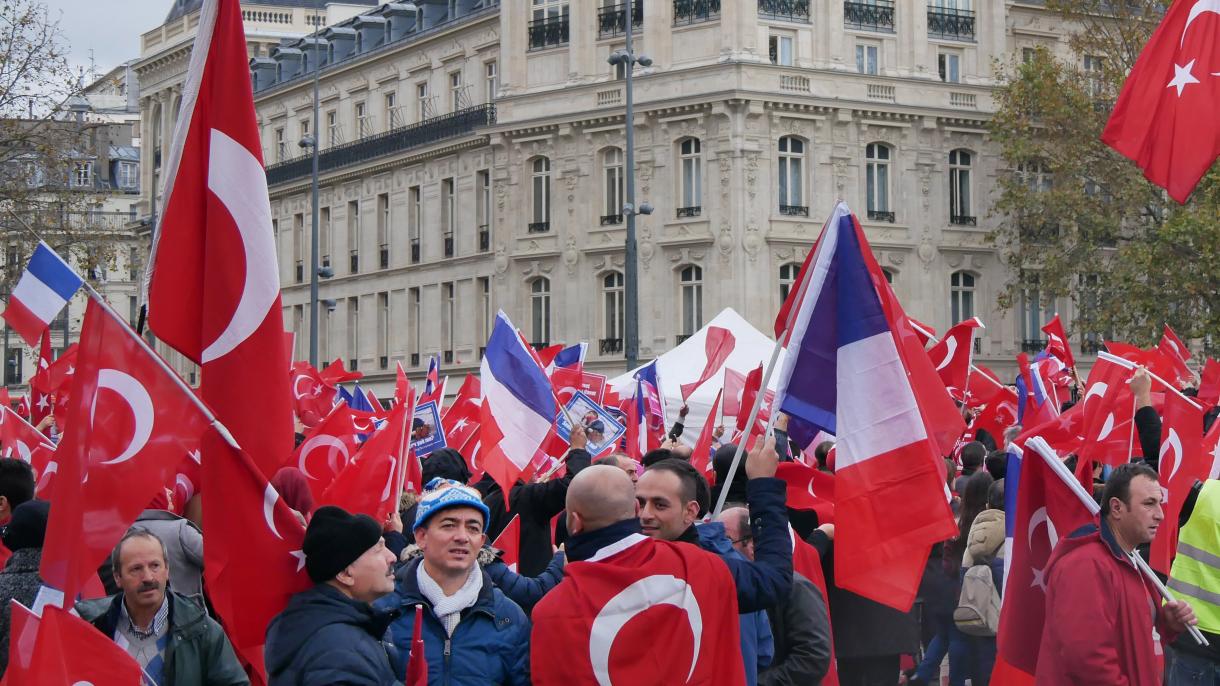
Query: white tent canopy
{"type": "Point", "coordinates": [685, 363]}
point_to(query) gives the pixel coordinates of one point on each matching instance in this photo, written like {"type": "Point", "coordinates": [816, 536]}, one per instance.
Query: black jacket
{"type": "Point", "coordinates": [801, 629]}
{"type": "Point", "coordinates": [537, 504]}
{"type": "Point", "coordinates": [323, 638]}
{"type": "Point", "coordinates": [1148, 424]}
{"type": "Point", "coordinates": [19, 581]}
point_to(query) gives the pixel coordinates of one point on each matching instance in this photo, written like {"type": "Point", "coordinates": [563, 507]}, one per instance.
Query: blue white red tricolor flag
{"type": "Point", "coordinates": [434, 371]}
{"type": "Point", "coordinates": [573, 356]}
{"type": "Point", "coordinates": [649, 407]}
{"type": "Point", "coordinates": [848, 373]}
{"type": "Point", "coordinates": [43, 290]}
{"type": "Point", "coordinates": [519, 406]}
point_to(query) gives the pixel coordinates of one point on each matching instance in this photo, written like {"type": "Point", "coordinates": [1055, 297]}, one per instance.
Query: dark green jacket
{"type": "Point", "coordinates": [198, 654]}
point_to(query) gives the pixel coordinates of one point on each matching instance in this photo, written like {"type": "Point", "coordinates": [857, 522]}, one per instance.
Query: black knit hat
{"type": "Point", "coordinates": [335, 539]}
{"type": "Point", "coordinates": [446, 463]}
{"type": "Point", "coordinates": [28, 526]}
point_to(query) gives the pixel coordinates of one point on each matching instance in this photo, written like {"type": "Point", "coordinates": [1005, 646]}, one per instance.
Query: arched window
{"type": "Point", "coordinates": [877, 181]}
{"type": "Point", "coordinates": [791, 176]}
{"type": "Point", "coordinates": [540, 311]}
{"type": "Point", "coordinates": [960, 207]}
{"type": "Point", "coordinates": [540, 184]}
{"type": "Point", "coordinates": [691, 280]}
{"type": "Point", "coordinates": [691, 163]}
{"type": "Point", "coordinates": [612, 177]}
{"type": "Point", "coordinates": [961, 296]}
{"type": "Point", "coordinates": [787, 276]}
{"type": "Point", "coordinates": [613, 313]}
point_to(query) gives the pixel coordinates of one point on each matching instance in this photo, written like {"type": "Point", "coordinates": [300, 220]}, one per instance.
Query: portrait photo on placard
{"type": "Point", "coordinates": [602, 429]}
{"type": "Point", "coordinates": [426, 432]}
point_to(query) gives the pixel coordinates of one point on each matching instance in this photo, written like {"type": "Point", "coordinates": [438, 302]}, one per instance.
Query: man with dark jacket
{"type": "Point", "coordinates": [537, 504]}
{"type": "Point", "coordinates": [330, 634]}
{"type": "Point", "coordinates": [20, 581]}
{"type": "Point", "coordinates": [472, 633]}
{"type": "Point", "coordinates": [169, 635]}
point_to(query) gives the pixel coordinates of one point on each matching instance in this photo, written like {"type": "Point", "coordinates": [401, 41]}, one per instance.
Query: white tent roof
{"type": "Point", "coordinates": [685, 363]}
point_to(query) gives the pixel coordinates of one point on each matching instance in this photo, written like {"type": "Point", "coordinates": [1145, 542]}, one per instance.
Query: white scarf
{"type": "Point", "coordinates": [448, 608]}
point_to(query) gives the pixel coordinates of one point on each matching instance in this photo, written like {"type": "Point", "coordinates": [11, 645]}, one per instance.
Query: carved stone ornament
{"type": "Point", "coordinates": [725, 241]}
{"type": "Point", "coordinates": [571, 256]}
{"type": "Point", "coordinates": [840, 174]}
{"type": "Point", "coordinates": [726, 171]}
{"type": "Point", "coordinates": [501, 195]}
{"type": "Point", "coordinates": [646, 248]}
{"type": "Point", "coordinates": [752, 174]}
{"type": "Point", "coordinates": [501, 260]}
{"type": "Point", "coordinates": [752, 242]}
{"type": "Point", "coordinates": [926, 252]}
{"type": "Point", "coordinates": [954, 259]}
{"type": "Point", "coordinates": [897, 258]}
{"type": "Point", "coordinates": [645, 176]}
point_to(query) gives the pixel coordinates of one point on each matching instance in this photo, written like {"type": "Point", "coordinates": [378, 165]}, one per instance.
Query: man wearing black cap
{"type": "Point", "coordinates": [330, 634]}
{"type": "Point", "coordinates": [20, 581]}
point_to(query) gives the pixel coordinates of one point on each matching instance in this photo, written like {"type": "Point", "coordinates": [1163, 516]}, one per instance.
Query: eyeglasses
{"type": "Point", "coordinates": [744, 540]}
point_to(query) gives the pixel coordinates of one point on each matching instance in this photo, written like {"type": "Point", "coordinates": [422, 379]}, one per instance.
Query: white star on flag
{"type": "Point", "coordinates": [1182, 77]}
{"type": "Point", "coordinates": [42, 402]}
{"type": "Point", "coordinates": [459, 424]}
{"type": "Point", "coordinates": [300, 556]}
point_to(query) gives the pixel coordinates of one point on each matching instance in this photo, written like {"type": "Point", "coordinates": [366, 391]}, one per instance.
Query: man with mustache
{"type": "Point", "coordinates": [171, 636]}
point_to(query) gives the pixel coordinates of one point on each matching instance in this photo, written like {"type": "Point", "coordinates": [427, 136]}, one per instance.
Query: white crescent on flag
{"type": "Point", "coordinates": [136, 397]}
{"type": "Point", "coordinates": [659, 589]}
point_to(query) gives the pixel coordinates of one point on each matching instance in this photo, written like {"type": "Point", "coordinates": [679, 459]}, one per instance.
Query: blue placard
{"type": "Point", "coordinates": [601, 427]}
{"type": "Point", "coordinates": [427, 434]}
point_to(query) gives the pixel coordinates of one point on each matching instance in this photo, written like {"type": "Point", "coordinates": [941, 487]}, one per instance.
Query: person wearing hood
{"type": "Point", "coordinates": [330, 634]}
{"type": "Point", "coordinates": [985, 545]}
{"type": "Point", "coordinates": [472, 633]}
{"type": "Point", "coordinates": [20, 581]}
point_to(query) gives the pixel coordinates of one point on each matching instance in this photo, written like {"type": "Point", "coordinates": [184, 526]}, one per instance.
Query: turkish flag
{"type": "Point", "coordinates": [1047, 509]}
{"type": "Point", "coordinates": [312, 395]}
{"type": "Point", "coordinates": [998, 414]}
{"type": "Point", "coordinates": [807, 563]}
{"type": "Point", "coordinates": [18, 438]}
{"type": "Point", "coordinates": [567, 380]}
{"type": "Point", "coordinates": [130, 423]}
{"type": "Point", "coordinates": [1159, 121]}
{"type": "Point", "coordinates": [23, 634]}
{"type": "Point", "coordinates": [60, 372]}
{"type": "Point", "coordinates": [1064, 433]}
{"type": "Point", "coordinates": [953, 355]}
{"type": "Point", "coordinates": [749, 395]}
{"type": "Point", "coordinates": [461, 419]}
{"type": "Point", "coordinates": [417, 661]}
{"type": "Point", "coordinates": [40, 389]}
{"type": "Point", "coordinates": [214, 288]}
{"type": "Point", "coordinates": [509, 542]}
{"type": "Point", "coordinates": [327, 449]}
{"type": "Point", "coordinates": [253, 561]}
{"type": "Point", "coordinates": [809, 489]}
{"type": "Point", "coordinates": [1209, 383]}
{"type": "Point", "coordinates": [1181, 463]}
{"type": "Point", "coordinates": [1175, 351]}
{"type": "Point", "coordinates": [70, 651]}
{"type": "Point", "coordinates": [335, 373]}
{"type": "Point", "coordinates": [716, 347]}
{"type": "Point", "coordinates": [1154, 360]}
{"type": "Point", "coordinates": [401, 383]}
{"type": "Point", "coordinates": [602, 623]}
{"type": "Point", "coordinates": [369, 483]}
{"type": "Point", "coordinates": [701, 455]}
{"type": "Point", "coordinates": [922, 331]}
{"type": "Point", "coordinates": [1109, 414]}
{"type": "Point", "coordinates": [23, 406]}
{"type": "Point", "coordinates": [188, 481]}
{"type": "Point", "coordinates": [1057, 342]}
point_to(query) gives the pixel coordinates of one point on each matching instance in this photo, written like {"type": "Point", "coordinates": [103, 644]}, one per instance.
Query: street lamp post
{"type": "Point", "coordinates": [631, 286]}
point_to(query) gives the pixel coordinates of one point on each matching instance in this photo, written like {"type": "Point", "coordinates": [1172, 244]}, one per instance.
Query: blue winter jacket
{"type": "Point", "coordinates": [765, 582]}
{"type": "Point", "coordinates": [491, 644]}
{"type": "Point", "coordinates": [757, 641]}
{"type": "Point", "coordinates": [324, 638]}
{"type": "Point", "coordinates": [525, 591]}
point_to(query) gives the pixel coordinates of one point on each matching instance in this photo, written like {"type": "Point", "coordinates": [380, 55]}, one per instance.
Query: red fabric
{"type": "Point", "coordinates": [1047, 511]}
{"type": "Point", "coordinates": [809, 489]}
{"type": "Point", "coordinates": [568, 380]}
{"type": "Point", "coordinates": [326, 450]}
{"type": "Point", "coordinates": [1209, 383]}
{"type": "Point", "coordinates": [807, 563]}
{"type": "Point", "coordinates": [335, 373]}
{"type": "Point", "coordinates": [1181, 463]}
{"type": "Point", "coordinates": [22, 320]}
{"type": "Point", "coordinates": [1176, 353]}
{"type": "Point", "coordinates": [701, 455]}
{"type": "Point", "coordinates": [253, 536]}
{"type": "Point", "coordinates": [23, 406]}
{"type": "Point", "coordinates": [18, 438]}
{"type": "Point", "coordinates": [70, 651]}
{"type": "Point", "coordinates": [999, 413]}
{"type": "Point", "coordinates": [1156, 120]}
{"type": "Point", "coordinates": [795, 293]}
{"type": "Point", "coordinates": [401, 383]}
{"type": "Point", "coordinates": [1057, 342]}
{"type": "Point", "coordinates": [1109, 414]}
{"type": "Point", "coordinates": [608, 617]}
{"type": "Point", "coordinates": [922, 331]}
{"type": "Point", "coordinates": [953, 355]}
{"type": "Point", "coordinates": [717, 347]}
{"type": "Point", "coordinates": [40, 389]}
{"type": "Point", "coordinates": [749, 395]}
{"type": "Point", "coordinates": [509, 541]}
{"type": "Point", "coordinates": [130, 424]}
{"type": "Point", "coordinates": [59, 373]}
{"type": "Point", "coordinates": [547, 355]}
{"type": "Point", "coordinates": [214, 289]}
{"type": "Point", "coordinates": [1153, 359]}
{"type": "Point", "coordinates": [293, 487]}
{"type": "Point", "coordinates": [312, 397]}
{"type": "Point", "coordinates": [23, 634]}
{"type": "Point", "coordinates": [1063, 433]}
{"type": "Point", "coordinates": [368, 484]}
{"type": "Point", "coordinates": [460, 420]}
{"type": "Point", "coordinates": [417, 661]}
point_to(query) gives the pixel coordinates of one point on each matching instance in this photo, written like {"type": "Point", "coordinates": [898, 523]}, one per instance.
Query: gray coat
{"type": "Point", "coordinates": [184, 546]}
{"type": "Point", "coordinates": [19, 581]}
{"type": "Point", "coordinates": [802, 638]}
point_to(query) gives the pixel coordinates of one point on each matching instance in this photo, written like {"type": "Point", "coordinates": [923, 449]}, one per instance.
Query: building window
{"type": "Point", "coordinates": [82, 174]}
{"type": "Point", "coordinates": [281, 145]}
{"type": "Point", "coordinates": [133, 264]}
{"type": "Point", "coordinates": [353, 332]}
{"type": "Point", "coordinates": [383, 330]}
{"type": "Point", "coordinates": [889, 275]}
{"type": "Point", "coordinates": [423, 101]}
{"type": "Point", "coordinates": [485, 313]}
{"type": "Point", "coordinates": [353, 236]}
{"type": "Point", "coordinates": [691, 281]}
{"type": "Point", "coordinates": [1094, 67]}
{"type": "Point", "coordinates": [415, 323]}
{"type": "Point", "coordinates": [1027, 55]}
{"type": "Point", "coordinates": [299, 336]}
{"type": "Point", "coordinates": [483, 210]}
{"type": "Point", "coordinates": [691, 161]}
{"type": "Point", "coordinates": [393, 116]}
{"type": "Point", "coordinates": [129, 175]}
{"type": "Point", "coordinates": [780, 49]}
{"type": "Point", "coordinates": [304, 126]}
{"type": "Point", "coordinates": [457, 96]}
{"type": "Point", "coordinates": [491, 81]}
{"type": "Point", "coordinates": [415, 220]}
{"type": "Point", "coordinates": [540, 311]}
{"type": "Point", "coordinates": [951, 19]}
{"type": "Point", "coordinates": [791, 176]}
{"type": "Point", "coordinates": [449, 214]}
{"type": "Point", "coordinates": [612, 190]}
{"type": "Point", "coordinates": [613, 313]}
{"type": "Point", "coordinates": [324, 234]}
{"type": "Point", "coordinates": [333, 132]}
{"type": "Point", "coordinates": [787, 277]}
{"type": "Point", "coordinates": [961, 296]}
{"type": "Point", "coordinates": [364, 123]}
{"type": "Point", "coordinates": [877, 181]}
{"type": "Point", "coordinates": [549, 25]}
{"type": "Point", "coordinates": [868, 58]}
{"type": "Point", "coordinates": [541, 186]}
{"type": "Point", "coordinates": [960, 208]}
{"type": "Point", "coordinates": [1036, 310]}
{"type": "Point", "coordinates": [448, 312]}
{"type": "Point", "coordinates": [383, 230]}
{"type": "Point", "coordinates": [298, 247]}
{"type": "Point", "coordinates": [948, 64]}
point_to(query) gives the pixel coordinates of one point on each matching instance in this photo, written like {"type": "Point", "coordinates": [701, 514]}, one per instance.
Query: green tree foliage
{"type": "Point", "coordinates": [1079, 221]}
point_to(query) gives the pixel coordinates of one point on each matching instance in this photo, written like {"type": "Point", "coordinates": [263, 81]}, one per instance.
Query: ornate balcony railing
{"type": "Point", "coordinates": [784, 10]}
{"type": "Point", "coordinates": [610, 346]}
{"type": "Point", "coordinates": [548, 32]}
{"type": "Point", "coordinates": [1033, 345]}
{"type": "Point", "coordinates": [695, 11]}
{"type": "Point", "coordinates": [447, 356]}
{"type": "Point", "coordinates": [451, 125]}
{"type": "Point", "coordinates": [946, 22]}
{"type": "Point", "coordinates": [612, 20]}
{"type": "Point", "coordinates": [794, 210]}
{"type": "Point", "coordinates": [877, 15]}
{"type": "Point", "coordinates": [681, 338]}
{"type": "Point", "coordinates": [611, 219]}
{"type": "Point", "coordinates": [692, 211]}
{"type": "Point", "coordinates": [879, 216]}
{"type": "Point", "coordinates": [539, 227]}
{"type": "Point", "coordinates": [963, 220]}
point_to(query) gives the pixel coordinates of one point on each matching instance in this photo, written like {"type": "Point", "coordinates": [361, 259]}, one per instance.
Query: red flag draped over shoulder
{"type": "Point", "coordinates": [214, 290]}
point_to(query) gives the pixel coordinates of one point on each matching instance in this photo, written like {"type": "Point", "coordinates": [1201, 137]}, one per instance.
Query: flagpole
{"type": "Point", "coordinates": [1131, 365]}
{"type": "Point", "coordinates": [1052, 460]}
{"type": "Point", "coordinates": [758, 400]}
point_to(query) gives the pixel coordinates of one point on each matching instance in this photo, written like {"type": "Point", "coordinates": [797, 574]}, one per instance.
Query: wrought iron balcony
{"type": "Point", "coordinates": [383, 256]}
{"type": "Point", "coordinates": [963, 220]}
{"type": "Point", "coordinates": [692, 211]}
{"type": "Point", "coordinates": [784, 10]}
{"type": "Point", "coordinates": [1033, 345]}
{"type": "Point", "coordinates": [484, 238]}
{"type": "Point", "coordinates": [353, 364]}
{"type": "Point", "coordinates": [383, 362]}
{"type": "Point", "coordinates": [431, 130]}
{"type": "Point", "coordinates": [353, 262]}
{"type": "Point", "coordinates": [794, 210]}
{"type": "Point", "coordinates": [877, 15]}
{"type": "Point", "coordinates": [414, 359]}
{"type": "Point", "coordinates": [879, 216]}
{"type": "Point", "coordinates": [612, 20]}
{"type": "Point", "coordinates": [448, 245]}
{"type": "Point", "coordinates": [612, 219]}
{"type": "Point", "coordinates": [447, 356]}
{"type": "Point", "coordinates": [688, 12]}
{"type": "Point", "coordinates": [681, 338]}
{"type": "Point", "coordinates": [548, 32]}
{"type": "Point", "coordinates": [539, 227]}
{"type": "Point", "coordinates": [610, 346]}
{"type": "Point", "coordinates": [946, 22]}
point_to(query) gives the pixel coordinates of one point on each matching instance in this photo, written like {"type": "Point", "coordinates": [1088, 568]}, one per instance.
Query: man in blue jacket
{"type": "Point", "coordinates": [330, 634]}
{"type": "Point", "coordinates": [473, 634]}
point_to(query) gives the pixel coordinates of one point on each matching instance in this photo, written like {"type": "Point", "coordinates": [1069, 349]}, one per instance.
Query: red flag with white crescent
{"type": "Point", "coordinates": [953, 355]}
{"type": "Point", "coordinates": [509, 543]}
{"type": "Point", "coordinates": [369, 483]}
{"type": "Point", "coordinates": [327, 450]}
{"type": "Point", "coordinates": [1181, 463]}
{"type": "Point", "coordinates": [213, 282]}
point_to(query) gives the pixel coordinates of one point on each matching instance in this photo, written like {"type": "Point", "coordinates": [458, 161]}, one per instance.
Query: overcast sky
{"type": "Point", "coordinates": [110, 28]}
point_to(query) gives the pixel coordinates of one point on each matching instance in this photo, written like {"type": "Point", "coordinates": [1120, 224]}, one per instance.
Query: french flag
{"type": "Point", "coordinates": [43, 290]}
{"type": "Point", "coordinates": [848, 374]}
{"type": "Point", "coordinates": [649, 407]}
{"type": "Point", "coordinates": [572, 356]}
{"type": "Point", "coordinates": [434, 372]}
{"type": "Point", "coordinates": [519, 406]}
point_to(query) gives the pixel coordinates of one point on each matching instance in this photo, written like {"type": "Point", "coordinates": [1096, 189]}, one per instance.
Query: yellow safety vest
{"type": "Point", "coordinates": [1195, 575]}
